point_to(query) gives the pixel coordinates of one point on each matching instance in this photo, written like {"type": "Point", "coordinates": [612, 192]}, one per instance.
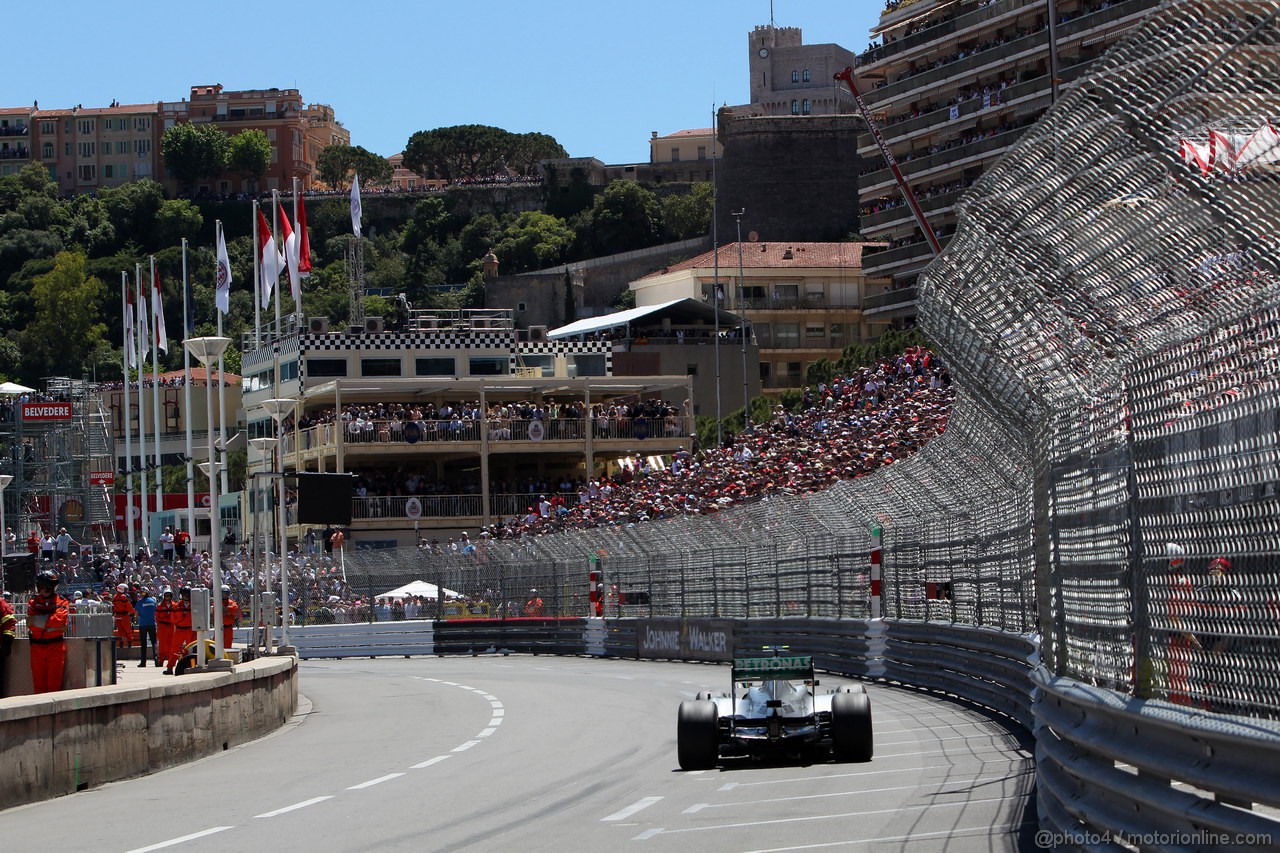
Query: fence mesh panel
{"type": "Point", "coordinates": [1110, 312]}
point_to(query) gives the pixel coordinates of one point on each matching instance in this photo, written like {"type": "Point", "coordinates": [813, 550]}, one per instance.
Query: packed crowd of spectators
{"type": "Point", "coordinates": [853, 426]}
{"type": "Point", "coordinates": [178, 381]}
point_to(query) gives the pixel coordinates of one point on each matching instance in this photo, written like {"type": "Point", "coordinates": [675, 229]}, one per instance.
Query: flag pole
{"type": "Point", "coordinates": [157, 306]}
{"type": "Point", "coordinates": [127, 355]}
{"type": "Point", "coordinates": [257, 283]}
{"type": "Point", "coordinates": [222, 384]}
{"type": "Point", "coordinates": [297, 304]}
{"type": "Point", "coordinates": [142, 411]}
{"type": "Point", "coordinates": [186, 396]}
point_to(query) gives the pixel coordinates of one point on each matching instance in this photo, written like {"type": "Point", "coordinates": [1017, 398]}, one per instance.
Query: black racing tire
{"type": "Point", "coordinates": [851, 688]}
{"type": "Point", "coordinates": [697, 735]}
{"type": "Point", "coordinates": [851, 733]}
{"type": "Point", "coordinates": [703, 694]}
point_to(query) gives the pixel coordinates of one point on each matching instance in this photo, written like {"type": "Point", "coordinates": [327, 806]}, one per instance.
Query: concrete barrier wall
{"type": "Point", "coordinates": [60, 743]}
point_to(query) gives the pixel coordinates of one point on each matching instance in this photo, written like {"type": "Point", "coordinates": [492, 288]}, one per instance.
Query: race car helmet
{"type": "Point", "coordinates": [168, 590]}
{"type": "Point", "coordinates": [48, 577]}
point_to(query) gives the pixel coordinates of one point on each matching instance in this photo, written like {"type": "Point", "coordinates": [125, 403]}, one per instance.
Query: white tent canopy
{"type": "Point", "coordinates": [14, 388]}
{"type": "Point", "coordinates": [422, 588]}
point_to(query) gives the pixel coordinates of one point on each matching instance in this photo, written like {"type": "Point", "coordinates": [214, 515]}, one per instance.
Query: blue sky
{"type": "Point", "coordinates": [598, 76]}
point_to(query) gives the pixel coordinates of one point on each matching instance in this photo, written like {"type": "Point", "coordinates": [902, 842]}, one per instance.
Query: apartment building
{"type": "Point", "coordinates": [322, 130]}
{"type": "Point", "coordinates": [15, 139]}
{"type": "Point", "coordinates": [448, 422]}
{"type": "Point", "coordinates": [953, 84]}
{"type": "Point", "coordinates": [804, 301]}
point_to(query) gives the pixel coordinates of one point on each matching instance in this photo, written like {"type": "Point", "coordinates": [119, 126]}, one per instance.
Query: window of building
{"type": "Point", "coordinates": [795, 108]}
{"type": "Point", "coordinates": [142, 124]}
{"type": "Point", "coordinates": [804, 75]}
{"type": "Point", "coordinates": [46, 150]}
{"type": "Point", "coordinates": [435, 366]}
{"type": "Point", "coordinates": [811, 331]}
{"type": "Point", "coordinates": [805, 107]}
{"type": "Point", "coordinates": [520, 306]}
{"type": "Point", "coordinates": [691, 370]}
{"type": "Point", "coordinates": [591, 365]}
{"type": "Point", "coordinates": [675, 155]}
{"type": "Point", "coordinates": [48, 127]}
{"type": "Point", "coordinates": [271, 134]}
{"type": "Point", "coordinates": [88, 172]}
{"type": "Point", "coordinates": [488, 366]}
{"type": "Point", "coordinates": [87, 149]}
{"type": "Point", "coordinates": [86, 126]}
{"type": "Point", "coordinates": [764, 334]}
{"type": "Point", "coordinates": [289, 370]}
{"type": "Point", "coordinates": [142, 147]}
{"type": "Point", "coordinates": [380, 367]}
{"type": "Point", "coordinates": [786, 334]}
{"type": "Point", "coordinates": [702, 152]}
{"type": "Point", "coordinates": [108, 171]}
{"type": "Point", "coordinates": [326, 367]}
{"type": "Point", "coordinates": [66, 149]}
{"type": "Point", "coordinates": [122, 147]}
{"type": "Point", "coordinates": [793, 369]}
{"type": "Point", "coordinates": [795, 76]}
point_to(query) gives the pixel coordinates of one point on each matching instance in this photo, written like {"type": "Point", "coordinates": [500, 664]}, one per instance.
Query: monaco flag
{"type": "Point", "coordinates": [291, 257]}
{"type": "Point", "coordinates": [304, 242]}
{"type": "Point", "coordinates": [129, 348]}
{"type": "Point", "coordinates": [271, 260]}
{"type": "Point", "coordinates": [157, 308]}
{"type": "Point", "coordinates": [222, 295]}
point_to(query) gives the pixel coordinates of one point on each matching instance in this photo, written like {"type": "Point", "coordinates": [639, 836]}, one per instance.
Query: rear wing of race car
{"type": "Point", "coordinates": [790, 668]}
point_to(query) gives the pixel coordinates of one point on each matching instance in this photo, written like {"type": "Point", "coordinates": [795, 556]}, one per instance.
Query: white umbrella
{"type": "Point", "coordinates": [15, 388]}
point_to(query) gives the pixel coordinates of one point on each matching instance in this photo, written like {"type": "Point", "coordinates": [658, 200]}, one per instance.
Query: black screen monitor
{"type": "Point", "coordinates": [324, 499]}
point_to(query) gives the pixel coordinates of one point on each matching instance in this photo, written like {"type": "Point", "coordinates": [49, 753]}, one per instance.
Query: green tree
{"type": "Point", "coordinates": [687, 216]}
{"type": "Point", "coordinates": [193, 152]}
{"type": "Point", "coordinates": [337, 163]}
{"type": "Point", "coordinates": [624, 217]}
{"type": "Point", "coordinates": [64, 325]}
{"type": "Point", "coordinates": [533, 241]}
{"type": "Point", "coordinates": [249, 153]}
{"type": "Point", "coordinates": [527, 150]}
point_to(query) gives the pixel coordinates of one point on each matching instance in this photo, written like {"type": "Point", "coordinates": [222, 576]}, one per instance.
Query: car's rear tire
{"type": "Point", "coordinates": [703, 694]}
{"type": "Point", "coordinates": [851, 733]}
{"type": "Point", "coordinates": [851, 688]}
{"type": "Point", "coordinates": [697, 737]}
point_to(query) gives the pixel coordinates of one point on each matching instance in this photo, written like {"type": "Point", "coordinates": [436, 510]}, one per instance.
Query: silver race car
{"type": "Point", "coordinates": [773, 707]}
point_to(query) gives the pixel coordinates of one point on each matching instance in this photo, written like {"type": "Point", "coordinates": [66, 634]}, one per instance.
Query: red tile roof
{"type": "Point", "coordinates": [767, 255]}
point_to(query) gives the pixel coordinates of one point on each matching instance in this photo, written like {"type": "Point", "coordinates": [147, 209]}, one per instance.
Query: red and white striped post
{"type": "Point", "coordinates": [593, 578]}
{"type": "Point", "coordinates": [876, 541]}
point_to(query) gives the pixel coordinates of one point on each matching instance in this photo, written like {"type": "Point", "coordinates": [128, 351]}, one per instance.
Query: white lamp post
{"type": "Point", "coordinates": [280, 408]}
{"type": "Point", "coordinates": [207, 350]}
{"type": "Point", "coordinates": [265, 447]}
{"type": "Point", "coordinates": [5, 480]}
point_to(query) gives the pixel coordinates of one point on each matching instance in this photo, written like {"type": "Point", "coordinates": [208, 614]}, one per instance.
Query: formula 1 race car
{"type": "Point", "coordinates": [771, 708]}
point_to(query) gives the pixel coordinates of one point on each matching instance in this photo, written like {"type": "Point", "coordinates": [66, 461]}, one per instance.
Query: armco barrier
{"type": "Point", "coordinates": [1107, 765]}
{"type": "Point", "coordinates": [446, 637]}
{"type": "Point", "coordinates": [992, 668]}
{"type": "Point", "coordinates": [61, 743]}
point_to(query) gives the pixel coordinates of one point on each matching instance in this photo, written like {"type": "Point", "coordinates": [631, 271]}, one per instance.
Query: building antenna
{"type": "Point", "coordinates": [770, 14]}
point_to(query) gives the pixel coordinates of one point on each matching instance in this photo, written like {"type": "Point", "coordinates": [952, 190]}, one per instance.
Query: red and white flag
{"type": "Point", "coordinates": [143, 322]}
{"type": "Point", "coordinates": [129, 349]}
{"type": "Point", "coordinates": [157, 308]}
{"type": "Point", "coordinates": [291, 257]}
{"type": "Point", "coordinates": [270, 259]}
{"type": "Point", "coordinates": [304, 242]}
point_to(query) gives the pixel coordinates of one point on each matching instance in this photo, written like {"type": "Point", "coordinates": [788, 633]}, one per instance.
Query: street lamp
{"type": "Point", "coordinates": [265, 446]}
{"type": "Point", "coordinates": [280, 408]}
{"type": "Point", "coordinates": [207, 350]}
{"type": "Point", "coordinates": [5, 480]}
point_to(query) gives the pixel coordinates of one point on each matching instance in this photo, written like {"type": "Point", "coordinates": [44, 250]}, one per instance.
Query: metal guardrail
{"type": "Point", "coordinates": [1136, 770]}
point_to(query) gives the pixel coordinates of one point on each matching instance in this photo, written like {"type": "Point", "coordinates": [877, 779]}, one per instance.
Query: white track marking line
{"type": "Point", "coordinates": [808, 818]}
{"type": "Point", "coordinates": [487, 732]}
{"type": "Point", "coordinates": [172, 841]}
{"type": "Point", "coordinates": [429, 762]}
{"type": "Point", "coordinates": [695, 808]}
{"type": "Point", "coordinates": [496, 721]}
{"type": "Point", "coordinates": [465, 746]}
{"type": "Point", "coordinates": [982, 831]}
{"type": "Point", "coordinates": [638, 805]}
{"type": "Point", "coordinates": [296, 806]}
{"type": "Point", "coordinates": [647, 834]}
{"type": "Point", "coordinates": [373, 782]}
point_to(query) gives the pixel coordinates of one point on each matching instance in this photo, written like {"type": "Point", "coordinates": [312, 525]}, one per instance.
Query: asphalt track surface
{"type": "Point", "coordinates": [550, 754]}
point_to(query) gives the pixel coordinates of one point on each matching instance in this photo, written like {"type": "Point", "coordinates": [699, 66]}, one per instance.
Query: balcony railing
{"type": "Point", "coordinates": [951, 156]}
{"type": "Point", "coordinates": [502, 431]}
{"type": "Point", "coordinates": [903, 212]}
{"type": "Point", "coordinates": [396, 507]}
{"type": "Point", "coordinates": [890, 298]}
{"type": "Point", "coordinates": [15, 130]}
{"type": "Point", "coordinates": [944, 28]}
{"type": "Point", "coordinates": [15, 153]}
